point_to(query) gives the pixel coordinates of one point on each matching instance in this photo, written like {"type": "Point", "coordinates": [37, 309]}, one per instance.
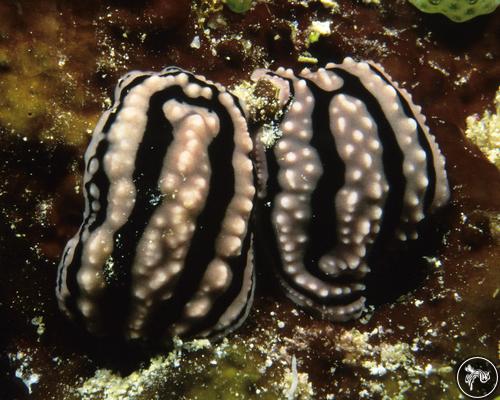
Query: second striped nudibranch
{"type": "Point", "coordinates": [165, 246]}
{"type": "Point", "coordinates": [355, 165]}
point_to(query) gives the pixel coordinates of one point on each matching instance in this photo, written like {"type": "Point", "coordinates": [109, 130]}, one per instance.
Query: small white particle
{"type": "Point", "coordinates": [378, 370]}
{"type": "Point", "coordinates": [195, 44]}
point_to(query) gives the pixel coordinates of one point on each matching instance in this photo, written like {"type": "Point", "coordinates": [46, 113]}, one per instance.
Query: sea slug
{"type": "Point", "coordinates": [355, 165]}
{"type": "Point", "coordinates": [165, 247]}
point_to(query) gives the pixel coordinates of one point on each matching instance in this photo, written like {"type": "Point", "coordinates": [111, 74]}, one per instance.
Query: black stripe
{"type": "Point", "coordinates": [392, 159]}
{"type": "Point", "coordinates": [208, 225]}
{"type": "Point", "coordinates": [422, 140]}
{"type": "Point", "coordinates": [237, 265]}
{"type": "Point", "coordinates": [322, 229]}
{"type": "Point", "coordinates": [157, 137]}
{"type": "Point", "coordinates": [268, 230]}
{"type": "Point", "coordinates": [214, 333]}
{"type": "Point", "coordinates": [59, 275]}
{"type": "Point", "coordinates": [101, 180]}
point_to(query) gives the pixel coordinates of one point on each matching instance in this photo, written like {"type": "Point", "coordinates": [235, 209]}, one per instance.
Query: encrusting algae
{"type": "Point", "coordinates": [36, 103]}
{"type": "Point", "coordinates": [205, 371]}
{"type": "Point", "coordinates": [485, 132]}
{"type": "Point", "coordinates": [269, 367]}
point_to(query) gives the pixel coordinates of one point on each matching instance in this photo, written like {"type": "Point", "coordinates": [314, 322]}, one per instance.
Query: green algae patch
{"type": "Point", "coordinates": [239, 6]}
{"type": "Point", "coordinates": [275, 365]}
{"type": "Point", "coordinates": [457, 10]}
{"type": "Point", "coordinates": [331, 4]}
{"type": "Point", "coordinates": [316, 30]}
{"type": "Point", "coordinates": [200, 370]}
{"type": "Point", "coordinates": [484, 132]}
{"type": "Point", "coordinates": [41, 98]}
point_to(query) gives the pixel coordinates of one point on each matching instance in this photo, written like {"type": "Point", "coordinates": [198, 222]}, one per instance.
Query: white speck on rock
{"type": "Point", "coordinates": [378, 370]}
{"type": "Point", "coordinates": [24, 372]}
{"type": "Point", "coordinates": [195, 44]}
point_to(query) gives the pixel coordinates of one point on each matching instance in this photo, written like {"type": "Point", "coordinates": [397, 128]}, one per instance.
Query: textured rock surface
{"type": "Point", "coordinates": [57, 63]}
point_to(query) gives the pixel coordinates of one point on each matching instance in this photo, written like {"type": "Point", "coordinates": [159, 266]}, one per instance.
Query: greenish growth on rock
{"type": "Point", "coordinates": [109, 385]}
{"type": "Point", "coordinates": [394, 368]}
{"type": "Point", "coordinates": [262, 104]}
{"type": "Point", "coordinates": [261, 100]}
{"type": "Point", "coordinates": [42, 97]}
{"type": "Point", "coordinates": [239, 6]}
{"type": "Point", "coordinates": [306, 57]}
{"type": "Point", "coordinates": [484, 132]}
{"type": "Point", "coordinates": [495, 227]}
{"type": "Point", "coordinates": [316, 30]}
{"type": "Point", "coordinates": [205, 9]}
{"type": "Point", "coordinates": [4, 60]}
{"type": "Point", "coordinates": [199, 370]}
{"type": "Point", "coordinates": [331, 4]}
{"type": "Point", "coordinates": [457, 10]}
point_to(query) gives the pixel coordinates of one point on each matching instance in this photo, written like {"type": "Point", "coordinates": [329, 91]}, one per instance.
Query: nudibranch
{"type": "Point", "coordinates": [355, 165]}
{"type": "Point", "coordinates": [175, 188]}
{"type": "Point", "coordinates": [165, 247]}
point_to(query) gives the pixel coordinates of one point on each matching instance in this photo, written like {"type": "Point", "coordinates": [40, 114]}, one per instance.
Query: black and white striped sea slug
{"type": "Point", "coordinates": [355, 165]}
{"type": "Point", "coordinates": [165, 247]}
